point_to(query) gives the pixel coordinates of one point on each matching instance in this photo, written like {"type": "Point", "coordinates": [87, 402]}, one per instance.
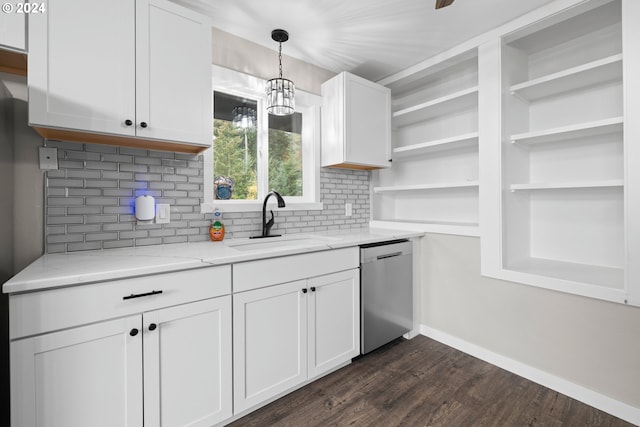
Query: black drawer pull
{"type": "Point", "coordinates": [146, 294]}
{"type": "Point", "coordinates": [304, 290]}
{"type": "Point", "coordinates": [133, 332]}
{"type": "Point", "coordinates": [152, 327]}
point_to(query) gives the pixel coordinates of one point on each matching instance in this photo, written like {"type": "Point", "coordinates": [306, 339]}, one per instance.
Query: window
{"type": "Point", "coordinates": [234, 148]}
{"type": "Point", "coordinates": [254, 152]}
{"type": "Point", "coordinates": [285, 154]}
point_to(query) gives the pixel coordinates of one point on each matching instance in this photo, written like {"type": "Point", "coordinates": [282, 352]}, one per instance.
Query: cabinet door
{"type": "Point", "coordinates": [269, 342]}
{"type": "Point", "coordinates": [173, 73]}
{"type": "Point", "coordinates": [85, 376]}
{"type": "Point", "coordinates": [367, 122]}
{"type": "Point", "coordinates": [81, 66]}
{"type": "Point", "coordinates": [187, 364]}
{"type": "Point", "coordinates": [12, 28]}
{"type": "Point", "coordinates": [334, 320]}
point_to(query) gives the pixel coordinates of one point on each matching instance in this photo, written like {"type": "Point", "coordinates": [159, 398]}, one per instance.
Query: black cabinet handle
{"type": "Point", "coordinates": [304, 290]}
{"type": "Point", "coordinates": [133, 332]}
{"type": "Point", "coordinates": [313, 289]}
{"type": "Point", "coordinates": [146, 294]}
{"type": "Point", "coordinates": [152, 327]}
{"type": "Point", "coordinates": [143, 124]}
{"type": "Point", "coordinates": [128, 122]}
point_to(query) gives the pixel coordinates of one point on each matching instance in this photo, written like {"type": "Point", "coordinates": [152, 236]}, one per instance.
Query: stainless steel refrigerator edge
{"type": "Point", "coordinates": [386, 292]}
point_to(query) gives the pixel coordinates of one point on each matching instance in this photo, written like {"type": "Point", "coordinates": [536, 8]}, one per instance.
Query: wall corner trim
{"type": "Point", "coordinates": [604, 403]}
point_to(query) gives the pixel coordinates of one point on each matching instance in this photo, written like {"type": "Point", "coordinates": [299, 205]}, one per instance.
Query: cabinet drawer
{"type": "Point", "coordinates": [39, 312]}
{"type": "Point", "coordinates": [267, 272]}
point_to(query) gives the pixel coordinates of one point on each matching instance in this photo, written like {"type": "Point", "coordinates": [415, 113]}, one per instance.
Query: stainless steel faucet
{"type": "Point", "coordinates": [266, 225]}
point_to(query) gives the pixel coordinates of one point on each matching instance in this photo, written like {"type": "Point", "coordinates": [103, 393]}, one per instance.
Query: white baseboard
{"type": "Point", "coordinates": [604, 403]}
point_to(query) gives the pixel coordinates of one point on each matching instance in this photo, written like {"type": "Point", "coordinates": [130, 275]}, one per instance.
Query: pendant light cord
{"type": "Point", "coordinates": [280, 57]}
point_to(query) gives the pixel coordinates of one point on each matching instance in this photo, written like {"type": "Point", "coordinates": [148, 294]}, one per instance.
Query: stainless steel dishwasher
{"type": "Point", "coordinates": [386, 292]}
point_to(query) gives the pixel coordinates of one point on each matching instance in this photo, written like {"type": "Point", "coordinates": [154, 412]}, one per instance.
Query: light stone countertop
{"type": "Point", "coordinates": [76, 268]}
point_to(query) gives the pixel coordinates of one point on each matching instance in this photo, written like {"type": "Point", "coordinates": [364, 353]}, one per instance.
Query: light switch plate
{"type": "Point", "coordinates": [48, 157]}
{"type": "Point", "coordinates": [163, 213]}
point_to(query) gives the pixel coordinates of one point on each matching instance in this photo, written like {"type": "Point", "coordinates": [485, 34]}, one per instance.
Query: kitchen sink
{"type": "Point", "coordinates": [278, 242]}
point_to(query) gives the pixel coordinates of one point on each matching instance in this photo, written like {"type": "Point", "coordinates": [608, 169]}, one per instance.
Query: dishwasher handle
{"type": "Point", "coordinates": [389, 255]}
{"type": "Point", "coordinates": [373, 253]}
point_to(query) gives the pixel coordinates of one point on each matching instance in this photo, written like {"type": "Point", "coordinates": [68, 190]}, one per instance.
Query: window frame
{"type": "Point", "coordinates": [243, 85]}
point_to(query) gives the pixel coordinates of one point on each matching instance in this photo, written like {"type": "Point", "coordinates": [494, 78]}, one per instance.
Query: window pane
{"type": "Point", "coordinates": [234, 148]}
{"type": "Point", "coordinates": [285, 154]}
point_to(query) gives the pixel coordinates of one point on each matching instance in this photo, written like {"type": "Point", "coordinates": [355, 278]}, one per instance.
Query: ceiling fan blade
{"type": "Point", "coordinates": [443, 3]}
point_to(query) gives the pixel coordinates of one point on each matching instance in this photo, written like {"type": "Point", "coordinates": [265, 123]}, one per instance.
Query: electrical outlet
{"type": "Point", "coordinates": [48, 157]}
{"type": "Point", "coordinates": [163, 213]}
{"type": "Point", "coordinates": [348, 209]}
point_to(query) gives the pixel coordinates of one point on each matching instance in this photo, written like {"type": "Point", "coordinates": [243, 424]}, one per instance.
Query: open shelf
{"type": "Point", "coordinates": [426, 187]}
{"type": "Point", "coordinates": [567, 185]}
{"type": "Point", "coordinates": [587, 75]}
{"type": "Point", "coordinates": [598, 127]}
{"type": "Point", "coordinates": [441, 227]}
{"type": "Point", "coordinates": [609, 277]}
{"type": "Point", "coordinates": [459, 141]}
{"type": "Point", "coordinates": [457, 101]}
{"type": "Point", "coordinates": [433, 185]}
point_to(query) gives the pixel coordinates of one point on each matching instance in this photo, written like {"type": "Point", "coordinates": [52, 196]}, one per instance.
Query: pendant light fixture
{"type": "Point", "coordinates": [244, 117]}
{"type": "Point", "coordinates": [280, 91]}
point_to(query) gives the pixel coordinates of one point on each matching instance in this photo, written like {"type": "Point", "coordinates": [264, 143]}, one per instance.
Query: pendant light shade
{"type": "Point", "coordinates": [244, 117]}
{"type": "Point", "coordinates": [280, 91]}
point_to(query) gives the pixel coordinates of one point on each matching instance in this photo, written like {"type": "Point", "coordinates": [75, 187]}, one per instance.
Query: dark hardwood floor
{"type": "Point", "coordinates": [422, 382]}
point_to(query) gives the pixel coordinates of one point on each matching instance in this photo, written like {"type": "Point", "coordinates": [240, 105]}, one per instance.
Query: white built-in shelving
{"type": "Point", "coordinates": [555, 149]}
{"type": "Point", "coordinates": [450, 143]}
{"type": "Point", "coordinates": [433, 182]}
{"type": "Point", "coordinates": [448, 104]}
{"type": "Point", "coordinates": [571, 132]}
{"type": "Point", "coordinates": [614, 183]}
{"type": "Point", "coordinates": [597, 72]}
{"type": "Point", "coordinates": [424, 187]}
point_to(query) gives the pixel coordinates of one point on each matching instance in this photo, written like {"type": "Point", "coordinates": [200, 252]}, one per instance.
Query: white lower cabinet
{"type": "Point", "coordinates": [269, 342]}
{"type": "Point", "coordinates": [85, 376]}
{"type": "Point", "coordinates": [334, 320]}
{"type": "Point", "coordinates": [187, 364]}
{"type": "Point", "coordinates": [146, 351]}
{"type": "Point", "coordinates": [286, 334]}
{"type": "Point", "coordinates": [181, 349]}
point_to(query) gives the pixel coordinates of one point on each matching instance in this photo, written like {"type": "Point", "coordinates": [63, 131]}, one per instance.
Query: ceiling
{"type": "Point", "coordinates": [370, 38]}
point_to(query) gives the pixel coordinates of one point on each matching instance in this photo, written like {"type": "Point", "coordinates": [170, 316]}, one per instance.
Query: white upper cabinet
{"type": "Point", "coordinates": [173, 73]}
{"type": "Point", "coordinates": [13, 28]}
{"type": "Point", "coordinates": [356, 123]}
{"type": "Point", "coordinates": [82, 69]}
{"type": "Point", "coordinates": [123, 75]}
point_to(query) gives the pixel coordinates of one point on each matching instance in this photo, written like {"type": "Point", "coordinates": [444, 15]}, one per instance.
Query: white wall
{"type": "Point", "coordinates": [6, 188]}
{"type": "Point", "coordinates": [251, 58]}
{"type": "Point", "coordinates": [28, 196]}
{"type": "Point", "coordinates": [591, 343]}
